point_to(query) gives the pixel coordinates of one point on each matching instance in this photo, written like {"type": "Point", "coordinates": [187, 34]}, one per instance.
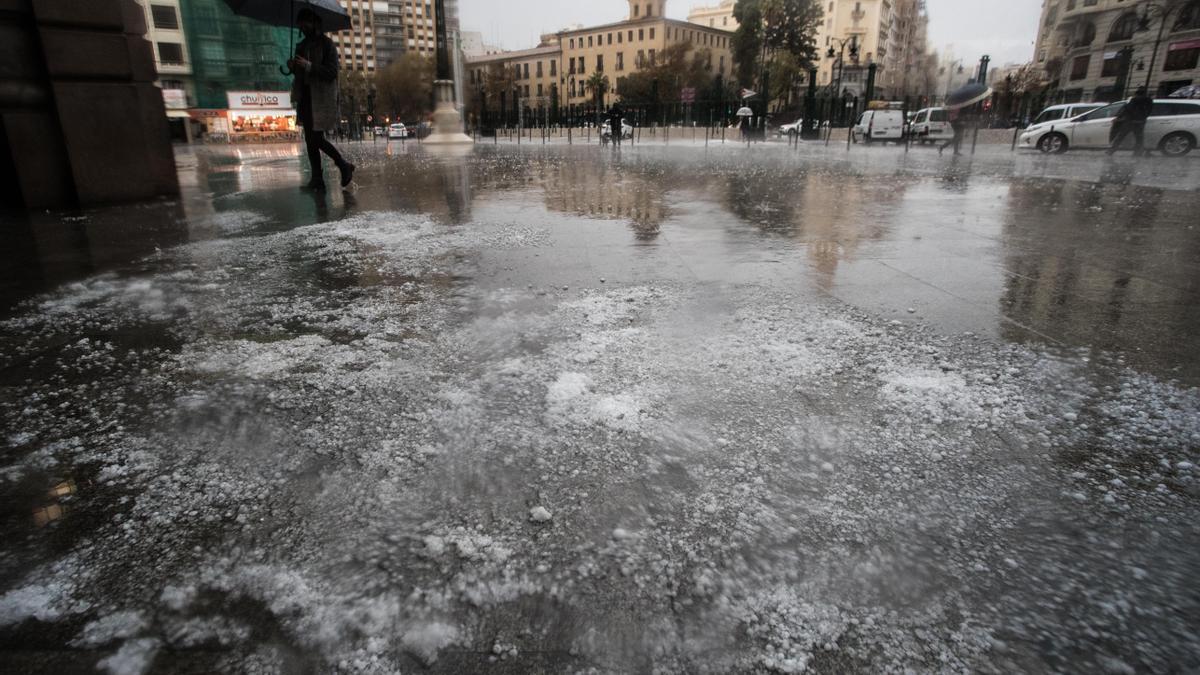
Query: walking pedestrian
{"type": "Point", "coordinates": [616, 119]}
{"type": "Point", "coordinates": [1132, 120]}
{"type": "Point", "coordinates": [958, 123]}
{"type": "Point", "coordinates": [315, 87]}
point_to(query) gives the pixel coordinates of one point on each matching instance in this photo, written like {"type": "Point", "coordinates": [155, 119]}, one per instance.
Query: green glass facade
{"type": "Point", "coordinates": [232, 53]}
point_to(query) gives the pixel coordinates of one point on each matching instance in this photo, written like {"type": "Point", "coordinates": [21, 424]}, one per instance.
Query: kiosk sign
{"type": "Point", "coordinates": [259, 100]}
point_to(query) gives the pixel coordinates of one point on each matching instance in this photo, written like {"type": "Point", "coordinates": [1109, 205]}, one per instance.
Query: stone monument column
{"type": "Point", "coordinates": [447, 122]}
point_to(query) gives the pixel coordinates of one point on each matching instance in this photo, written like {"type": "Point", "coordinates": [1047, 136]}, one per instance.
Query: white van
{"type": "Point", "coordinates": [931, 124]}
{"type": "Point", "coordinates": [879, 125]}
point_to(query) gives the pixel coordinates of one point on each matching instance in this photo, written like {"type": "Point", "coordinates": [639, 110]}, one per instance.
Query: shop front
{"type": "Point", "coordinates": [252, 117]}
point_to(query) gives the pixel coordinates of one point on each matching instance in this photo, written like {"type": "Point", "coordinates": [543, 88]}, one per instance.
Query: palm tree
{"type": "Point", "coordinates": [598, 85]}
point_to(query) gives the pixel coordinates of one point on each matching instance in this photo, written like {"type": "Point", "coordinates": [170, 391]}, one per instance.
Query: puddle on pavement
{"type": "Point", "coordinates": [345, 409]}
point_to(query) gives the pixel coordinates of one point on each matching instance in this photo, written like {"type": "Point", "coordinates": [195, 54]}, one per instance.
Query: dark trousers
{"type": "Point", "coordinates": [316, 143]}
{"type": "Point", "coordinates": [960, 130]}
{"type": "Point", "coordinates": [1138, 129]}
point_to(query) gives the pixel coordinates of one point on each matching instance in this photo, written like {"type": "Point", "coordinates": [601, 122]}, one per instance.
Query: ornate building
{"type": "Point", "coordinates": [1102, 49]}
{"type": "Point", "coordinates": [561, 66]}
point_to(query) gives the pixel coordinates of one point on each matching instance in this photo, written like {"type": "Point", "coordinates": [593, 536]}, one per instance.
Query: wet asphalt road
{"type": "Point", "coordinates": [559, 409]}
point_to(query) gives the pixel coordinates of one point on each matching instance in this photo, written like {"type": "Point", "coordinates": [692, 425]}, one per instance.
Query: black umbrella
{"type": "Point", "coordinates": [283, 13]}
{"type": "Point", "coordinates": [968, 95]}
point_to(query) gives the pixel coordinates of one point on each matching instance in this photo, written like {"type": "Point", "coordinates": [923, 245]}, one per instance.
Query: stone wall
{"type": "Point", "coordinates": [81, 121]}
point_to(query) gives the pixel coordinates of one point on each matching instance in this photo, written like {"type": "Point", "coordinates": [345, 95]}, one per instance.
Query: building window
{"type": "Point", "coordinates": [651, 33]}
{"type": "Point", "coordinates": [164, 17]}
{"type": "Point", "coordinates": [1085, 34]}
{"type": "Point", "coordinates": [1124, 28]}
{"type": "Point", "coordinates": [553, 68]}
{"type": "Point", "coordinates": [1111, 67]}
{"type": "Point", "coordinates": [641, 34]}
{"type": "Point", "coordinates": [620, 37]}
{"type": "Point", "coordinates": [1189, 18]}
{"type": "Point", "coordinates": [539, 91]}
{"type": "Point", "coordinates": [651, 58]}
{"type": "Point", "coordinates": [599, 63]}
{"type": "Point", "coordinates": [620, 61]}
{"type": "Point", "coordinates": [636, 9]}
{"type": "Point", "coordinates": [170, 52]}
{"type": "Point", "coordinates": [1182, 55]}
{"type": "Point", "coordinates": [590, 41]}
{"type": "Point", "coordinates": [1079, 67]}
{"type": "Point", "coordinates": [610, 38]}
{"type": "Point", "coordinates": [526, 71]}
{"type": "Point", "coordinates": [539, 69]}
{"type": "Point", "coordinates": [631, 36]}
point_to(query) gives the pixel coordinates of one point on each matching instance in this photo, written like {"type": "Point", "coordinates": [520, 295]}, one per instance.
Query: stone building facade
{"type": "Point", "coordinates": [1102, 49]}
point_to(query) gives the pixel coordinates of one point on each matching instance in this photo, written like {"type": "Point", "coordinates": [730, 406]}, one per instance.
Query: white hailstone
{"type": "Point", "coordinates": [539, 514]}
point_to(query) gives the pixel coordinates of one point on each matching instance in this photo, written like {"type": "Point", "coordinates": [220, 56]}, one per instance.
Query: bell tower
{"type": "Point", "coordinates": [641, 9]}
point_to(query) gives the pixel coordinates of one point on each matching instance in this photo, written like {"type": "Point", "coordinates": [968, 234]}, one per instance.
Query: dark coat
{"type": "Point", "coordinates": [1137, 110]}
{"type": "Point", "coordinates": [319, 83]}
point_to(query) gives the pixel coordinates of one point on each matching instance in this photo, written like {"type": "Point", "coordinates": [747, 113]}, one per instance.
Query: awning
{"type": "Point", "coordinates": [262, 113]}
{"type": "Point", "coordinates": [178, 114]}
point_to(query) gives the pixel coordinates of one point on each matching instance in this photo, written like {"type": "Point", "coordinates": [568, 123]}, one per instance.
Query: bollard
{"type": "Point", "coordinates": [974, 139]}
{"type": "Point", "coordinates": [1016, 134]}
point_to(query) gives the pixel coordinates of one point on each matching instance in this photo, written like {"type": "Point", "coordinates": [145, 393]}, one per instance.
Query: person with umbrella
{"type": "Point", "coordinates": [315, 88]}
{"type": "Point", "coordinates": [957, 106]}
{"type": "Point", "coordinates": [1132, 120]}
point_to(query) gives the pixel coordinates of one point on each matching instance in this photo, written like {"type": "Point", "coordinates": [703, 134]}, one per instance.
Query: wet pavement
{"type": "Point", "coordinates": [558, 409]}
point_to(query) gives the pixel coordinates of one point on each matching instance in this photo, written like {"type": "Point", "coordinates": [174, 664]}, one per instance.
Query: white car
{"type": "Point", "coordinates": [397, 131]}
{"type": "Point", "coordinates": [931, 124]}
{"type": "Point", "coordinates": [879, 125]}
{"type": "Point", "coordinates": [790, 129]}
{"type": "Point", "coordinates": [1051, 117]}
{"type": "Point", "coordinates": [1173, 129]}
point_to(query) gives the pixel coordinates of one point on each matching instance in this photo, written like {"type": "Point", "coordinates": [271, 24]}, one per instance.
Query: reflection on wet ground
{"type": "Point", "coordinates": [1069, 251]}
{"type": "Point", "coordinates": [562, 409]}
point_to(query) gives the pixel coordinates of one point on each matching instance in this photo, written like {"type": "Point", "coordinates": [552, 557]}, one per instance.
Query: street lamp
{"type": "Point", "coordinates": [1153, 9]}
{"type": "Point", "coordinates": [840, 55]}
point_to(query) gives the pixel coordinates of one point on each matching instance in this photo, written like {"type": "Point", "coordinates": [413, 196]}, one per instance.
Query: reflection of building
{"type": "Point", "coordinates": [1100, 49]}
{"type": "Point", "coordinates": [589, 190]}
{"type": "Point", "coordinates": [171, 58]}
{"type": "Point", "coordinates": [1126, 270]}
{"type": "Point", "coordinates": [237, 59]}
{"type": "Point", "coordinates": [715, 16]}
{"type": "Point", "coordinates": [613, 50]}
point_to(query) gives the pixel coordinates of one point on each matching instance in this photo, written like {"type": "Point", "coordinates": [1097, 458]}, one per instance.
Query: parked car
{"type": "Point", "coordinates": [379, 131]}
{"type": "Point", "coordinates": [1054, 116]}
{"type": "Point", "coordinates": [930, 125]}
{"type": "Point", "coordinates": [790, 129]}
{"type": "Point", "coordinates": [879, 125]}
{"type": "Point", "coordinates": [397, 131]}
{"type": "Point", "coordinates": [606, 132]}
{"type": "Point", "coordinates": [1173, 129]}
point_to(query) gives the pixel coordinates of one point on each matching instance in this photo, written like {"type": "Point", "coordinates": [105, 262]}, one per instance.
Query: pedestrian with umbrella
{"type": "Point", "coordinates": [745, 113]}
{"type": "Point", "coordinates": [314, 68]}
{"type": "Point", "coordinates": [1132, 120]}
{"type": "Point", "coordinates": [957, 108]}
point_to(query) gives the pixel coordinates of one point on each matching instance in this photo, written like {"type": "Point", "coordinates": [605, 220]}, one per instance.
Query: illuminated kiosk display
{"type": "Point", "coordinates": [447, 122]}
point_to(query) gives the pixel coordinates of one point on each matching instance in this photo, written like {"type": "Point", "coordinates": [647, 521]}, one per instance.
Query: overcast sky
{"type": "Point", "coordinates": [1004, 29]}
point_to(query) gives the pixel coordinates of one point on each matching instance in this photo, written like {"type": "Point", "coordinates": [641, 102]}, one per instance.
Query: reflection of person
{"type": "Point", "coordinates": [316, 89]}
{"type": "Point", "coordinates": [958, 122]}
{"type": "Point", "coordinates": [1132, 120]}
